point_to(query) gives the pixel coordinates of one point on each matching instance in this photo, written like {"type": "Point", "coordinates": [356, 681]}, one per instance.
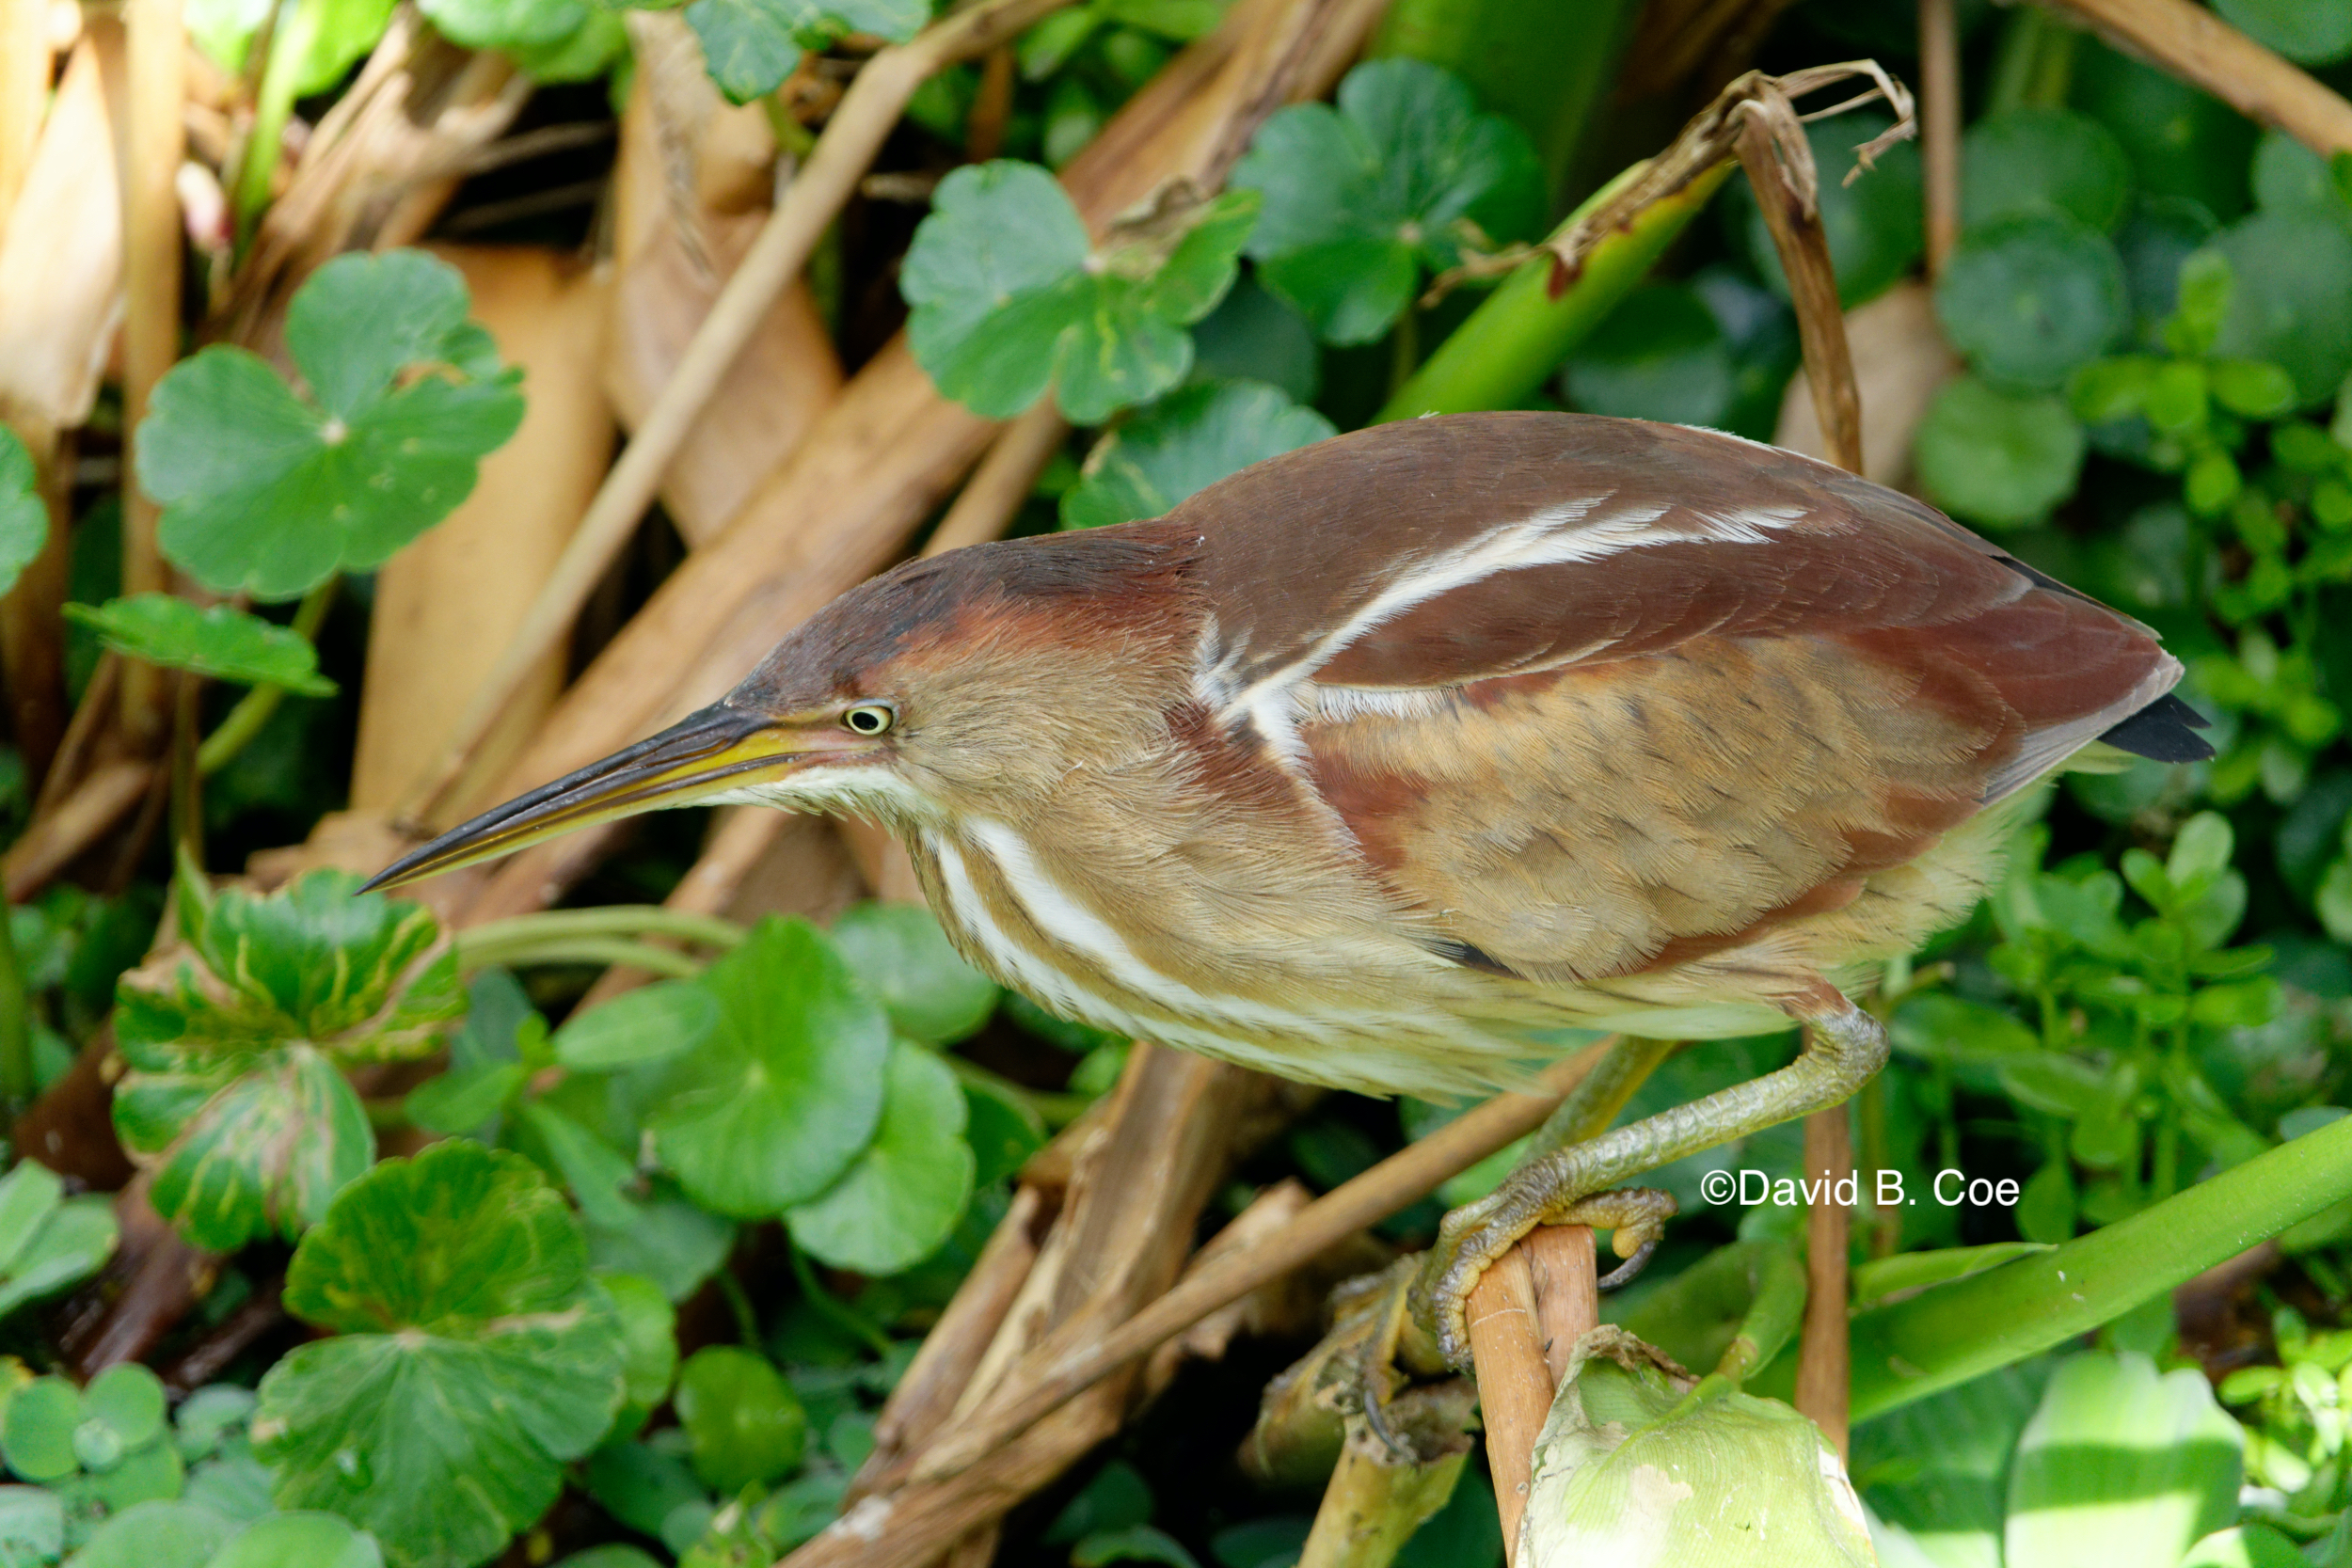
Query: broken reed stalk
{"type": "Point", "coordinates": [2197, 46]}
{"type": "Point", "coordinates": [1824, 1358]}
{"type": "Point", "coordinates": [157, 49]}
{"type": "Point", "coordinates": [891, 448]}
{"type": "Point", "coordinates": [1377, 1498]}
{"type": "Point", "coordinates": [852, 140]}
{"type": "Point", "coordinates": [1779, 164]}
{"type": "Point", "coordinates": [1525, 1315]}
{"type": "Point", "coordinates": [1939, 126]}
{"type": "Point", "coordinates": [1402, 1177]}
{"type": "Point", "coordinates": [80, 821]}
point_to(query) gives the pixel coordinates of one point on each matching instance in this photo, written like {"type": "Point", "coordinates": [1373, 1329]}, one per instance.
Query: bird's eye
{"type": "Point", "coordinates": [868, 719]}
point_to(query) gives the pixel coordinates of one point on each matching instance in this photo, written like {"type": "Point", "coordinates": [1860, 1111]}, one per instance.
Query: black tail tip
{"type": "Point", "coordinates": [2164, 730]}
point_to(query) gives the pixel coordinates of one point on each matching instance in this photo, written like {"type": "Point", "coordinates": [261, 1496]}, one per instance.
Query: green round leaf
{"type": "Point", "coordinates": [2289, 175]}
{"type": "Point", "coordinates": [36, 1428]}
{"type": "Point", "coordinates": [775, 1101]}
{"type": "Point", "coordinates": [743, 1419]}
{"type": "Point", "coordinates": [24, 517]}
{"type": "Point", "coordinates": [271, 493]}
{"type": "Point", "coordinates": [461, 1099]}
{"type": "Point", "coordinates": [1003, 1131]}
{"type": "Point", "coordinates": [30, 1193]}
{"type": "Point", "coordinates": [70, 1244]}
{"type": "Point", "coordinates": [2310, 32]}
{"type": "Point", "coordinates": [750, 46]}
{"type": "Point", "coordinates": [2290, 301]}
{"type": "Point", "coordinates": [1873, 225]}
{"type": "Point", "coordinates": [151, 1474]}
{"type": "Point", "coordinates": [1361, 198]}
{"type": "Point", "coordinates": [2032, 160]}
{"type": "Point", "coordinates": [1996, 459]}
{"type": "Point", "coordinates": [155, 1535]}
{"type": "Point", "coordinates": [32, 1523]}
{"type": "Point", "coordinates": [2179, 141]}
{"type": "Point", "coordinates": [1660, 354]}
{"type": "Point", "coordinates": [299, 1541]}
{"type": "Point", "coordinates": [648, 1025]}
{"type": "Point", "coordinates": [505, 23]}
{"type": "Point", "coordinates": [2159, 235]}
{"type": "Point", "coordinates": [2029, 300]}
{"type": "Point", "coordinates": [1186, 442]}
{"type": "Point", "coordinates": [128, 1399]}
{"type": "Point", "coordinates": [667, 1239]}
{"type": "Point", "coordinates": [649, 1336]}
{"type": "Point", "coordinates": [220, 641]}
{"type": "Point", "coordinates": [901, 1198]}
{"type": "Point", "coordinates": [476, 1356]}
{"type": "Point", "coordinates": [932, 996]}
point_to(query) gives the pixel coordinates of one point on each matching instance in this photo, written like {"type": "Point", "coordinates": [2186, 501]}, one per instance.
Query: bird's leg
{"type": "Point", "coordinates": [1844, 1048]}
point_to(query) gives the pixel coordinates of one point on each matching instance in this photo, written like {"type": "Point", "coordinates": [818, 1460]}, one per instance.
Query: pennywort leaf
{"type": "Point", "coordinates": [1184, 443]}
{"type": "Point", "coordinates": [2033, 297]}
{"type": "Point", "coordinates": [1995, 458]}
{"type": "Point", "coordinates": [475, 1355]}
{"type": "Point", "coordinates": [931, 995]}
{"type": "Point", "coordinates": [1009, 296]}
{"type": "Point", "coordinates": [48, 1241]}
{"type": "Point", "coordinates": [272, 491]}
{"type": "Point", "coordinates": [772, 1106]}
{"type": "Point", "coordinates": [1361, 198]}
{"type": "Point", "coordinates": [557, 40]}
{"type": "Point", "coordinates": [219, 641]}
{"type": "Point", "coordinates": [24, 519]}
{"type": "Point", "coordinates": [903, 1196]}
{"type": "Point", "coordinates": [750, 46]}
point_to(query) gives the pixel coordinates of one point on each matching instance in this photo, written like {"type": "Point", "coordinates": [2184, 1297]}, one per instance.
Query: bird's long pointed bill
{"type": "Point", "coordinates": [705, 753]}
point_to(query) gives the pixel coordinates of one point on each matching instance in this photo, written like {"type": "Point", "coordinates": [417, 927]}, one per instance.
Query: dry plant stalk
{"type": "Point", "coordinates": [24, 92]}
{"type": "Point", "coordinates": [690, 195]}
{"type": "Point", "coordinates": [153, 140]}
{"type": "Point", "coordinates": [1939, 126]}
{"type": "Point", "coordinates": [81, 820]}
{"type": "Point", "coordinates": [1525, 1315]}
{"type": "Point", "coordinates": [867, 114]}
{"type": "Point", "coordinates": [2192, 43]}
{"type": "Point", "coordinates": [1377, 1497]}
{"type": "Point", "coordinates": [1823, 1357]}
{"type": "Point", "coordinates": [1077, 1363]}
{"type": "Point", "coordinates": [446, 604]}
{"type": "Point", "coordinates": [892, 446]}
{"type": "Point", "coordinates": [1899, 361]}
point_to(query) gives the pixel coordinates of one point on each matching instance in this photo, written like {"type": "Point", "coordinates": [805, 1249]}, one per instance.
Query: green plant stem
{"type": "Point", "coordinates": [2033, 63]}
{"type": "Point", "coordinates": [1499, 356]}
{"type": "Point", "coordinates": [516, 940]}
{"type": "Point", "coordinates": [1928, 1342]}
{"type": "Point", "coordinates": [830, 1308]}
{"type": "Point", "coordinates": [739, 1304]}
{"type": "Point", "coordinates": [289, 47]}
{"type": "Point", "coordinates": [253, 709]}
{"type": "Point", "coordinates": [16, 1019]}
{"type": "Point", "coordinates": [473, 953]}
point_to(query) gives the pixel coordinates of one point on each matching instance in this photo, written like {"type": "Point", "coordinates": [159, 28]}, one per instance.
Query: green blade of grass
{"type": "Point", "coordinates": [1955, 1332]}
{"type": "Point", "coordinates": [1499, 356]}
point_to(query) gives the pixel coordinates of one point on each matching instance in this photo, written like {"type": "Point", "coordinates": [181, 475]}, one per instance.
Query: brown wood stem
{"type": "Point", "coordinates": [2199, 48]}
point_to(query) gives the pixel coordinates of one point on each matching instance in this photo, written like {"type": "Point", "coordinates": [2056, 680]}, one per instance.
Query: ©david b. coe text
{"type": "Point", "coordinates": [1884, 1188]}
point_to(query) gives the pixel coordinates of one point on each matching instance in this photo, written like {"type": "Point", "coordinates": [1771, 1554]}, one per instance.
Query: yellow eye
{"type": "Point", "coordinates": [869, 717]}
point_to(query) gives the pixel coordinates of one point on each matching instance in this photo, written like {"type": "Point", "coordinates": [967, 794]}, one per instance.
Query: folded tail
{"type": "Point", "coordinates": [2164, 730]}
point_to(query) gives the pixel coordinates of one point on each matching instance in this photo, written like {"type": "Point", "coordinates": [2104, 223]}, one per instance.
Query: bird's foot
{"type": "Point", "coordinates": [1477, 1234]}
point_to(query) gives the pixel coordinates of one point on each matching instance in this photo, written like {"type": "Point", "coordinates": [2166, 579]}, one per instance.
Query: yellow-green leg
{"type": "Point", "coordinates": [1568, 1182]}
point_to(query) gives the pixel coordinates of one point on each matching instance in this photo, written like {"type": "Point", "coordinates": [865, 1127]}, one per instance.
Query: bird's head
{"type": "Point", "coordinates": [944, 686]}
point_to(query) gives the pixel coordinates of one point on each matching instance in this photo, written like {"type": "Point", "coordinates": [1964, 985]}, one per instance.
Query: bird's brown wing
{"type": "Point", "coordinates": [1599, 695]}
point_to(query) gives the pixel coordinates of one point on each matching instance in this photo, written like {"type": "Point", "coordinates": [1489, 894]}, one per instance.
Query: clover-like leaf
{"type": "Point", "coordinates": [273, 492]}
{"type": "Point", "coordinates": [900, 1199]}
{"type": "Point", "coordinates": [475, 1357]}
{"type": "Point", "coordinates": [48, 1241]}
{"type": "Point", "coordinates": [772, 1104]}
{"type": "Point", "coordinates": [1361, 198]}
{"type": "Point", "coordinates": [1187, 441]}
{"type": "Point", "coordinates": [2030, 299]}
{"type": "Point", "coordinates": [2043, 160]}
{"type": "Point", "coordinates": [24, 519]}
{"type": "Point", "coordinates": [750, 46]}
{"type": "Point", "coordinates": [1007, 297]}
{"type": "Point", "coordinates": [236, 1085]}
{"type": "Point", "coordinates": [931, 995]}
{"type": "Point", "coordinates": [1990, 457]}
{"type": "Point", "coordinates": [219, 641]}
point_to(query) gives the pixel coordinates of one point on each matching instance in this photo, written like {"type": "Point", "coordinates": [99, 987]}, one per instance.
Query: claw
{"type": "Point", "coordinates": [1471, 1238]}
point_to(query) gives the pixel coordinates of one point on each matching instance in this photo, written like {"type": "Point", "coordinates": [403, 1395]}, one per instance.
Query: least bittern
{"type": "Point", "coordinates": [1364, 763]}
